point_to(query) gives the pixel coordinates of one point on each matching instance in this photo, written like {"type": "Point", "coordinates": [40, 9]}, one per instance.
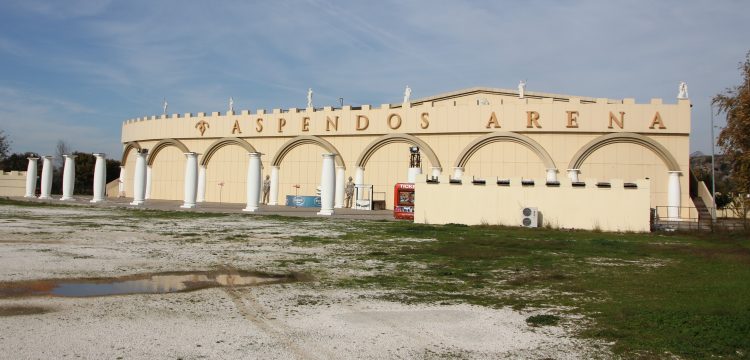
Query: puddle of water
{"type": "Point", "coordinates": [138, 284]}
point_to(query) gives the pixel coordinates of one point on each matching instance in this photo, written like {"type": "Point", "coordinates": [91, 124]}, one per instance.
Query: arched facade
{"type": "Point", "coordinates": [130, 145]}
{"type": "Point", "coordinates": [384, 140]}
{"type": "Point", "coordinates": [218, 144]}
{"type": "Point", "coordinates": [628, 138]}
{"type": "Point", "coordinates": [487, 139]}
{"type": "Point", "coordinates": [304, 140]}
{"type": "Point", "coordinates": [159, 146]}
{"type": "Point", "coordinates": [533, 135]}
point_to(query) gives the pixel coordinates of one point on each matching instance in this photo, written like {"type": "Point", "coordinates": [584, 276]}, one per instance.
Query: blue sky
{"type": "Point", "coordinates": [74, 70]}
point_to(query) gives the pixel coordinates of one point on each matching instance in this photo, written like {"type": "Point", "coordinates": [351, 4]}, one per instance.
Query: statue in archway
{"type": "Point", "coordinates": [349, 192]}
{"type": "Point", "coordinates": [266, 189]}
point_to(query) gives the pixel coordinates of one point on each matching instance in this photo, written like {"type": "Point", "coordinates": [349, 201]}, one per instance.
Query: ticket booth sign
{"type": "Point", "coordinates": [403, 201]}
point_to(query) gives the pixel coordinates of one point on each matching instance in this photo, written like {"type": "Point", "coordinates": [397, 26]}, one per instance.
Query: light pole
{"type": "Point", "coordinates": [713, 166]}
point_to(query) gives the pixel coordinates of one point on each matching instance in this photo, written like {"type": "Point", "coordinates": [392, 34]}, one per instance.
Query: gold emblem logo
{"type": "Point", "coordinates": [202, 126]}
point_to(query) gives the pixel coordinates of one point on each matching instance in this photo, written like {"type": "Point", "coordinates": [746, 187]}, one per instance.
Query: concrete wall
{"type": "Point", "coordinates": [447, 124]}
{"type": "Point", "coordinates": [13, 183]}
{"type": "Point", "coordinates": [590, 207]}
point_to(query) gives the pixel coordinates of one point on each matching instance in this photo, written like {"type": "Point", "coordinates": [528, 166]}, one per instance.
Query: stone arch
{"type": "Point", "coordinates": [631, 138]}
{"type": "Point", "coordinates": [220, 143]}
{"type": "Point", "coordinates": [504, 136]}
{"type": "Point", "coordinates": [161, 145]}
{"type": "Point", "coordinates": [303, 140]}
{"type": "Point", "coordinates": [384, 140]}
{"type": "Point", "coordinates": [129, 146]}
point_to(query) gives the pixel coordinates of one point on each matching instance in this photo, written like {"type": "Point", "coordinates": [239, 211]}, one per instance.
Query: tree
{"type": "Point", "coordinates": [734, 139]}
{"type": "Point", "coordinates": [4, 145]}
{"type": "Point", "coordinates": [61, 149]}
{"type": "Point", "coordinates": [18, 162]}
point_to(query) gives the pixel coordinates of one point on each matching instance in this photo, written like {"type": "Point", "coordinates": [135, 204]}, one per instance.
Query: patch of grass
{"type": "Point", "coordinates": [543, 320]}
{"type": "Point", "coordinates": [648, 293]}
{"type": "Point", "coordinates": [23, 310]}
{"type": "Point", "coordinates": [308, 240]}
{"type": "Point", "coordinates": [21, 203]}
{"type": "Point", "coordinates": [165, 214]}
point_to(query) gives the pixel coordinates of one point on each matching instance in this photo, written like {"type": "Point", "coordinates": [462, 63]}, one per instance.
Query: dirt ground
{"type": "Point", "coordinates": [299, 320]}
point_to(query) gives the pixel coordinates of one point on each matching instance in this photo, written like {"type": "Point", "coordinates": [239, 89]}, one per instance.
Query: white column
{"type": "Point", "coordinates": [458, 173]}
{"type": "Point", "coordinates": [31, 177]}
{"type": "Point", "coordinates": [673, 195]}
{"type": "Point", "coordinates": [273, 196]}
{"type": "Point", "coordinates": [139, 178]}
{"type": "Point", "coordinates": [328, 185]}
{"type": "Point", "coordinates": [573, 175]}
{"type": "Point", "coordinates": [359, 179]}
{"type": "Point", "coordinates": [551, 175]}
{"type": "Point", "coordinates": [191, 180]}
{"type": "Point", "coordinates": [100, 178]}
{"type": "Point", "coordinates": [201, 194]}
{"type": "Point", "coordinates": [436, 171]}
{"type": "Point", "coordinates": [121, 185]}
{"type": "Point", "coordinates": [148, 182]}
{"type": "Point", "coordinates": [338, 202]}
{"type": "Point", "coordinates": [253, 182]}
{"type": "Point", "coordinates": [69, 177]}
{"type": "Point", "coordinates": [46, 177]}
{"type": "Point", "coordinates": [411, 176]}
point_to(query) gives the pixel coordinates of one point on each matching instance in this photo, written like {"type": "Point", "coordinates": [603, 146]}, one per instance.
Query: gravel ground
{"type": "Point", "coordinates": [283, 321]}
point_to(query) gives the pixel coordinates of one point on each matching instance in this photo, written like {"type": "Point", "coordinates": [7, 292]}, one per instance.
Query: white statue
{"type": "Point", "coordinates": [683, 94]}
{"type": "Point", "coordinates": [407, 94]}
{"type": "Point", "coordinates": [231, 105]}
{"type": "Point", "coordinates": [164, 106]}
{"type": "Point", "coordinates": [309, 98]}
{"type": "Point", "coordinates": [521, 89]}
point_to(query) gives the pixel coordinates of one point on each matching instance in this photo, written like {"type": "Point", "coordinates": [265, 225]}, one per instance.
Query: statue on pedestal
{"type": "Point", "coordinates": [164, 106]}
{"type": "Point", "coordinates": [231, 105]}
{"type": "Point", "coordinates": [309, 98]}
{"type": "Point", "coordinates": [407, 94]}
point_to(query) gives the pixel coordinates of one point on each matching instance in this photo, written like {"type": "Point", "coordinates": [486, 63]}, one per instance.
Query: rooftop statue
{"type": "Point", "coordinates": [521, 89]}
{"type": "Point", "coordinates": [407, 94]}
{"type": "Point", "coordinates": [683, 94]}
{"type": "Point", "coordinates": [231, 105]}
{"type": "Point", "coordinates": [309, 97]}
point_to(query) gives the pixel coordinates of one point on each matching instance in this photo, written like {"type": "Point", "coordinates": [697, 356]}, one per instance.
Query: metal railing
{"type": "Point", "coordinates": [671, 218]}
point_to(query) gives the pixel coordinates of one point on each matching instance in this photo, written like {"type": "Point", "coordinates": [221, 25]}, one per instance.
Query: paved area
{"type": "Point", "coordinates": [174, 205]}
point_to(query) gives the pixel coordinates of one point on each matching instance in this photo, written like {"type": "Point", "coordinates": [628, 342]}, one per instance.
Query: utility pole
{"type": "Point", "coordinates": [713, 165]}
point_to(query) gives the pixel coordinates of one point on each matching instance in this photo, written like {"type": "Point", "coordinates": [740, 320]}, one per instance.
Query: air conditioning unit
{"type": "Point", "coordinates": [530, 217]}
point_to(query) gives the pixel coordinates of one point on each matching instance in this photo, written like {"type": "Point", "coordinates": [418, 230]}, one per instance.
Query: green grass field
{"type": "Point", "coordinates": [687, 295]}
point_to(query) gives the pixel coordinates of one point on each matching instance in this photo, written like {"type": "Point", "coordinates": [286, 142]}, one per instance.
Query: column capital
{"type": "Point", "coordinates": [678, 172]}
{"type": "Point", "coordinates": [32, 158]}
{"type": "Point", "coordinates": [70, 156]}
{"type": "Point", "coordinates": [99, 154]}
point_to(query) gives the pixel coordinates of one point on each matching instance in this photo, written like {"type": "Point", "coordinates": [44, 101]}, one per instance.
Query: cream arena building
{"type": "Point", "coordinates": [485, 133]}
